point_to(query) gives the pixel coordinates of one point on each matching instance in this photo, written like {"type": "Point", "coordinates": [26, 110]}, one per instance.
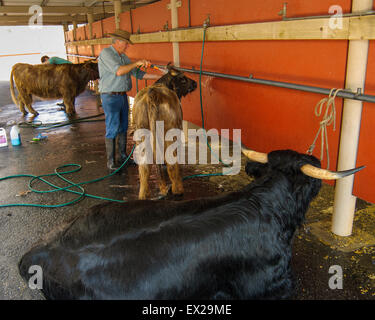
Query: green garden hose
{"type": "Point", "coordinates": [202, 115]}
{"type": "Point", "coordinates": [81, 193]}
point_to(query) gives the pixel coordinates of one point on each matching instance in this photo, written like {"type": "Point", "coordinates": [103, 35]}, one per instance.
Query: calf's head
{"type": "Point", "coordinates": [177, 81]}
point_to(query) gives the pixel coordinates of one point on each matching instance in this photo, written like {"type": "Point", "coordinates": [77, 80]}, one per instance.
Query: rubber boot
{"type": "Point", "coordinates": [110, 146]}
{"type": "Point", "coordinates": [122, 141]}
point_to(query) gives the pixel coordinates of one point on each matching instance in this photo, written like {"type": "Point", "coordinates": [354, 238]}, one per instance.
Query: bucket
{"type": "Point", "coordinates": [3, 138]}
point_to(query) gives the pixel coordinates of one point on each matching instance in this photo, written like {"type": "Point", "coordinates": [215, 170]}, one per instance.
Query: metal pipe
{"type": "Point", "coordinates": [348, 94]}
{"type": "Point", "coordinates": [79, 56]}
{"type": "Point", "coordinates": [189, 12]}
{"type": "Point", "coordinates": [344, 15]}
{"type": "Point", "coordinates": [131, 21]}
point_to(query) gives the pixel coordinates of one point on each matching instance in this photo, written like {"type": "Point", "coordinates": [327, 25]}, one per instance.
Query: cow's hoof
{"type": "Point", "coordinates": [177, 196]}
{"type": "Point", "coordinates": [131, 162]}
{"type": "Point", "coordinates": [159, 197]}
{"type": "Point", "coordinates": [164, 190]}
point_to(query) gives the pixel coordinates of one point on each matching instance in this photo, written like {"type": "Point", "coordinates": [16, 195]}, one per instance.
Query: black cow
{"type": "Point", "coordinates": [232, 246]}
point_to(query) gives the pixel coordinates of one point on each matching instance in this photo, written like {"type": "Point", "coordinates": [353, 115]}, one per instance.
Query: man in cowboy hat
{"type": "Point", "coordinates": [115, 70]}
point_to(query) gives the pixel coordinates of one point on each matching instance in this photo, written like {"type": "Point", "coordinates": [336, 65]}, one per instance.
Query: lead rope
{"type": "Point", "coordinates": [328, 119]}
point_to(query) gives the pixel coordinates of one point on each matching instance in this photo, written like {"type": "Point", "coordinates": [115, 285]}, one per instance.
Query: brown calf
{"type": "Point", "coordinates": [50, 81]}
{"type": "Point", "coordinates": [161, 102]}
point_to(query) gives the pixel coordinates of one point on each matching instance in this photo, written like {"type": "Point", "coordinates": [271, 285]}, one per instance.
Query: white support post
{"type": "Point", "coordinates": [90, 20]}
{"type": "Point", "coordinates": [344, 203]}
{"type": "Point", "coordinates": [66, 29]}
{"type": "Point", "coordinates": [174, 17]}
{"type": "Point", "coordinates": [75, 38]}
{"type": "Point", "coordinates": [118, 10]}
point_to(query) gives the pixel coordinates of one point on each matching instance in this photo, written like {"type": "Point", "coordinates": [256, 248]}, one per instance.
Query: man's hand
{"type": "Point", "coordinates": [126, 68]}
{"type": "Point", "coordinates": [150, 76]}
{"type": "Point", "coordinates": [143, 64]}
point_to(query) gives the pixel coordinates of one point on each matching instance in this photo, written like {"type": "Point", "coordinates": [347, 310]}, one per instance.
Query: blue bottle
{"type": "Point", "coordinates": [15, 136]}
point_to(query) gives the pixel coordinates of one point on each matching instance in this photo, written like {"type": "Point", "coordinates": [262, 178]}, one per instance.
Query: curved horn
{"type": "Point", "coordinates": [254, 155]}
{"type": "Point", "coordinates": [324, 174]}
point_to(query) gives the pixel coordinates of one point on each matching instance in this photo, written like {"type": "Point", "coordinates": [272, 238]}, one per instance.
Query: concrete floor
{"type": "Point", "coordinates": [315, 249]}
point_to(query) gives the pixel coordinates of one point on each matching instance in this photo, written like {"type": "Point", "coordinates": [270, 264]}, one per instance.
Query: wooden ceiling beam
{"type": "Point", "coordinates": [46, 19]}
{"type": "Point", "coordinates": [111, 9]}
{"type": "Point", "coordinates": [26, 24]}
{"type": "Point", "coordinates": [47, 9]}
{"type": "Point", "coordinates": [65, 9]}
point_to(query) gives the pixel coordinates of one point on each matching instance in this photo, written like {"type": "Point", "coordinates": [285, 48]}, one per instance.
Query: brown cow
{"type": "Point", "coordinates": [50, 81]}
{"type": "Point", "coordinates": [161, 102]}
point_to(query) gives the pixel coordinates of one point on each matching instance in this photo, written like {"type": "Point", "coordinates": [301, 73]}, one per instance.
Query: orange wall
{"type": "Point", "coordinates": [364, 185]}
{"type": "Point", "coordinates": [270, 118]}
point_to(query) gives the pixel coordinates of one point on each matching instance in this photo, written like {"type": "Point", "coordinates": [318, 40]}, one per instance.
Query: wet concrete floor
{"type": "Point", "coordinates": [315, 248]}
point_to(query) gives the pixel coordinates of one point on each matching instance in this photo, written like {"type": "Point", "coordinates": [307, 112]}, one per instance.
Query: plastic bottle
{"type": "Point", "coordinates": [15, 136]}
{"type": "Point", "coordinates": [3, 138]}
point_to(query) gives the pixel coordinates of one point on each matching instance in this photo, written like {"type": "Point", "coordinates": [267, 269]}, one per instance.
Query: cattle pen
{"type": "Point", "coordinates": [293, 76]}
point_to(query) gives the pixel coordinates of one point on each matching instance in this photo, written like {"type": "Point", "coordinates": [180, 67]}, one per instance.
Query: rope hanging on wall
{"type": "Point", "coordinates": [328, 119]}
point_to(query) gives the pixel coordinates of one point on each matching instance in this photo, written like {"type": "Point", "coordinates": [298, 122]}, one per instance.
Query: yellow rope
{"type": "Point", "coordinates": [328, 119]}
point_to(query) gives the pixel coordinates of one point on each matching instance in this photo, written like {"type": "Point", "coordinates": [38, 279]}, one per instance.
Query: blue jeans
{"type": "Point", "coordinates": [116, 110]}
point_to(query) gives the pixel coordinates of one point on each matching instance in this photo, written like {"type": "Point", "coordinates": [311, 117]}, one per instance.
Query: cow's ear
{"type": "Point", "coordinates": [173, 72]}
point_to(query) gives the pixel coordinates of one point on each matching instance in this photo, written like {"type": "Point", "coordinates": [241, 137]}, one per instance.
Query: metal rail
{"type": "Point", "coordinates": [346, 94]}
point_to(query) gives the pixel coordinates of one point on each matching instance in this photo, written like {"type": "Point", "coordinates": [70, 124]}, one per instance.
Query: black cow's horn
{"type": "Point", "coordinates": [325, 174]}
{"type": "Point", "coordinates": [254, 155]}
{"type": "Point", "coordinates": [307, 169]}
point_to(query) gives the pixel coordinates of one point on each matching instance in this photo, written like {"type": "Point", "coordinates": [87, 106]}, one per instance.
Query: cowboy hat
{"type": "Point", "coordinates": [121, 35]}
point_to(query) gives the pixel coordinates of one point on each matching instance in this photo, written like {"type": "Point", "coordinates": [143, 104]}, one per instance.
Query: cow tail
{"type": "Point", "coordinates": [153, 101]}
{"type": "Point", "coordinates": [13, 94]}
